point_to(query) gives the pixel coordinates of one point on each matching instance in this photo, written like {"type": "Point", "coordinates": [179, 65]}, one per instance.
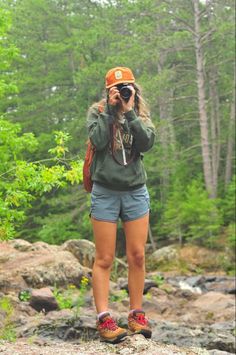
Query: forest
{"type": "Point", "coordinates": [54, 55]}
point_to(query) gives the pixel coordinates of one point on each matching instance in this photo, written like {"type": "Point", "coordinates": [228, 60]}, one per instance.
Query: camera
{"type": "Point", "coordinates": [125, 91]}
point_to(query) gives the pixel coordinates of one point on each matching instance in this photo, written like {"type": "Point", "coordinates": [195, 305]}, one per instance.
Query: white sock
{"type": "Point", "coordinates": [136, 309]}
{"type": "Point", "coordinates": [101, 314]}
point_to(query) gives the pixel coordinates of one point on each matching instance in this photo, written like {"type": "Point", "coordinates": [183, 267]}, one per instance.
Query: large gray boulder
{"type": "Point", "coordinates": [165, 254]}
{"type": "Point", "coordinates": [82, 249]}
{"type": "Point", "coordinates": [22, 266]}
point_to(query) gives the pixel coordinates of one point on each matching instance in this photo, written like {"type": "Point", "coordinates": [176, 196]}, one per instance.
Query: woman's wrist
{"type": "Point", "coordinates": [127, 109]}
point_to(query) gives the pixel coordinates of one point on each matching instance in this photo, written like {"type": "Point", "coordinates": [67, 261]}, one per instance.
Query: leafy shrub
{"type": "Point", "coordinates": [7, 331]}
{"type": "Point", "coordinates": [190, 214]}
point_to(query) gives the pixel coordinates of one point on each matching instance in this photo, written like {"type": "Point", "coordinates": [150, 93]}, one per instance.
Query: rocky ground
{"type": "Point", "coordinates": [135, 345]}
{"type": "Point", "coordinates": [189, 314]}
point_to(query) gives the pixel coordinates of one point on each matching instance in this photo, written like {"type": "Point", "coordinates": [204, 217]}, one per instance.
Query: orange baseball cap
{"type": "Point", "coordinates": [119, 75]}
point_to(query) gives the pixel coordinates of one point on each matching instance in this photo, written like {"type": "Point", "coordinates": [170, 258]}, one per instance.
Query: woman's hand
{"type": "Point", "coordinates": [114, 96]}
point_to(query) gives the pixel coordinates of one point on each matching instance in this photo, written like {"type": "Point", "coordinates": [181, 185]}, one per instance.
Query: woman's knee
{"type": "Point", "coordinates": [104, 262]}
{"type": "Point", "coordinates": [136, 258]}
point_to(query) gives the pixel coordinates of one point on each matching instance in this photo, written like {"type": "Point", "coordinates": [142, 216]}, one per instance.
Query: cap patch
{"type": "Point", "coordinates": [118, 74]}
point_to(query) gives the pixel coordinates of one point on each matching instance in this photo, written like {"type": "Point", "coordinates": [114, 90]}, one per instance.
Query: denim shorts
{"type": "Point", "coordinates": [110, 205]}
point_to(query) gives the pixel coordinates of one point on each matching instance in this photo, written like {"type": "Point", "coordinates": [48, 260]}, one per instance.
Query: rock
{"type": "Point", "coordinates": [223, 284]}
{"type": "Point", "coordinates": [38, 268]}
{"type": "Point", "coordinates": [130, 345]}
{"type": "Point", "coordinates": [61, 325]}
{"type": "Point", "coordinates": [123, 284]}
{"type": "Point", "coordinates": [58, 269]}
{"type": "Point", "coordinates": [24, 308]}
{"type": "Point", "coordinates": [39, 265]}
{"type": "Point", "coordinates": [197, 257]}
{"type": "Point", "coordinates": [154, 306]}
{"type": "Point", "coordinates": [201, 284]}
{"type": "Point", "coordinates": [20, 244]}
{"type": "Point", "coordinates": [174, 281]}
{"type": "Point", "coordinates": [215, 306]}
{"type": "Point", "coordinates": [214, 300]}
{"type": "Point", "coordinates": [165, 254]}
{"type": "Point", "coordinates": [218, 352]}
{"type": "Point", "coordinates": [167, 287]}
{"type": "Point", "coordinates": [157, 292]}
{"type": "Point", "coordinates": [64, 325]}
{"type": "Point", "coordinates": [41, 246]}
{"type": "Point", "coordinates": [195, 280]}
{"type": "Point", "coordinates": [222, 326]}
{"type": "Point", "coordinates": [137, 344]}
{"type": "Point", "coordinates": [187, 335]}
{"type": "Point", "coordinates": [82, 249]}
{"type": "Point", "coordinates": [187, 294]}
{"type": "Point", "coordinates": [43, 299]}
{"type": "Point", "coordinates": [158, 301]}
{"type": "Point", "coordinates": [224, 344]}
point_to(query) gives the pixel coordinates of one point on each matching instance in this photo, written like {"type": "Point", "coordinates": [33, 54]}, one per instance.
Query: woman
{"type": "Point", "coordinates": [121, 130]}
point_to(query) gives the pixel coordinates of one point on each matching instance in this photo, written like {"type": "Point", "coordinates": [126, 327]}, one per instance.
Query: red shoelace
{"type": "Point", "coordinates": [140, 318]}
{"type": "Point", "coordinates": [109, 323]}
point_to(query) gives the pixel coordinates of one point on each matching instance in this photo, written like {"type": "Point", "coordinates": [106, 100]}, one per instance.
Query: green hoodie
{"type": "Point", "coordinates": [133, 135]}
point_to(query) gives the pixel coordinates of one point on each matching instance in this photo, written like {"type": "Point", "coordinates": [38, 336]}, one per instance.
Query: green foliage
{"type": "Point", "coordinates": [228, 203]}
{"type": "Point", "coordinates": [231, 236]}
{"type": "Point", "coordinates": [190, 214]}
{"type": "Point", "coordinates": [72, 297]}
{"type": "Point", "coordinates": [118, 296]}
{"type": "Point", "coordinates": [24, 295]}
{"type": "Point", "coordinates": [64, 299]}
{"type": "Point", "coordinates": [7, 331]}
{"type": "Point", "coordinates": [57, 229]}
{"type": "Point", "coordinates": [7, 53]}
{"type": "Point", "coordinates": [178, 265]}
{"type": "Point", "coordinates": [159, 279]}
{"type": "Point", "coordinates": [22, 181]}
{"type": "Point", "coordinates": [57, 71]}
{"type": "Point", "coordinates": [227, 263]}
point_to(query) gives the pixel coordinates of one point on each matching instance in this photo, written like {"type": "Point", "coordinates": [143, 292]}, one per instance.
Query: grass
{"type": "Point", "coordinates": [72, 297]}
{"type": "Point", "coordinates": [119, 296]}
{"type": "Point", "coordinates": [7, 331]}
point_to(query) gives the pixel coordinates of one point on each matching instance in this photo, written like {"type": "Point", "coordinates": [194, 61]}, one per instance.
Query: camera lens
{"type": "Point", "coordinates": [125, 92]}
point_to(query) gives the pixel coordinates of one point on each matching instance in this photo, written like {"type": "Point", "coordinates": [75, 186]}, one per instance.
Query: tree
{"type": "Point", "coordinates": [182, 54]}
{"type": "Point", "coordinates": [191, 215]}
{"type": "Point", "coordinates": [21, 180]}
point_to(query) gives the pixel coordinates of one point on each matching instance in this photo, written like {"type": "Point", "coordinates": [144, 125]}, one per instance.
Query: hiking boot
{"type": "Point", "coordinates": [109, 330]}
{"type": "Point", "coordinates": [138, 323]}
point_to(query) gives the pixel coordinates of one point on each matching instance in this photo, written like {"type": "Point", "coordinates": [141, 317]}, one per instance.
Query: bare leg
{"type": "Point", "coordinates": [105, 242]}
{"type": "Point", "coordinates": [136, 233]}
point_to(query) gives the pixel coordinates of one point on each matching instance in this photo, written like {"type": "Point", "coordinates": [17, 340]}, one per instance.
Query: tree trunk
{"type": "Point", "coordinates": [214, 108]}
{"type": "Point", "coordinates": [207, 167]}
{"type": "Point", "coordinates": [167, 135]}
{"type": "Point", "coordinates": [153, 244]}
{"type": "Point", "coordinates": [215, 129]}
{"type": "Point", "coordinates": [231, 140]}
